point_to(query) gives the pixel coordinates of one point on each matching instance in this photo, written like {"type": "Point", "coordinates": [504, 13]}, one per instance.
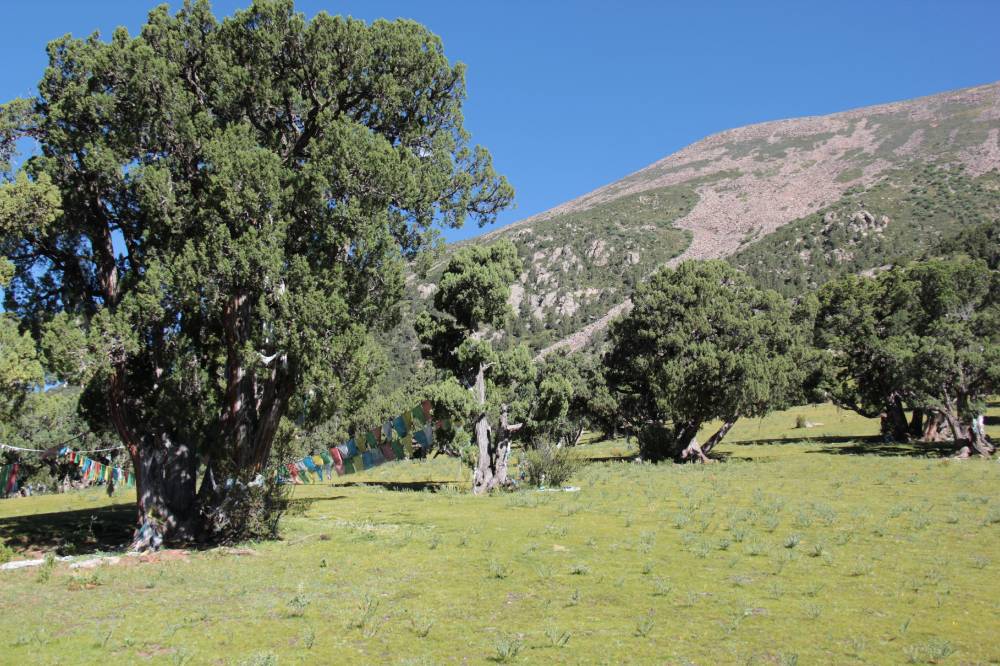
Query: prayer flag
{"type": "Point", "coordinates": [400, 426]}
{"type": "Point", "coordinates": [397, 449]}
{"type": "Point", "coordinates": [338, 460]}
{"type": "Point", "coordinates": [388, 452]}
{"type": "Point", "coordinates": [352, 448]}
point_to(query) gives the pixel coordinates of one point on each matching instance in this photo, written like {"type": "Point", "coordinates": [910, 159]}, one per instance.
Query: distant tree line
{"type": "Point", "coordinates": [704, 343]}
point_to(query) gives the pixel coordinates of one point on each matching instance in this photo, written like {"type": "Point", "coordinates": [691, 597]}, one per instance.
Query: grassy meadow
{"type": "Point", "coordinates": [804, 546]}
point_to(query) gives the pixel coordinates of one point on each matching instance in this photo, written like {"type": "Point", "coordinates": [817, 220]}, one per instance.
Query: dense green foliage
{"type": "Point", "coordinates": [20, 369]}
{"type": "Point", "coordinates": [236, 199]}
{"type": "Point", "coordinates": [925, 336]}
{"type": "Point", "coordinates": [981, 241]}
{"type": "Point", "coordinates": [702, 343]}
{"type": "Point", "coordinates": [570, 395]}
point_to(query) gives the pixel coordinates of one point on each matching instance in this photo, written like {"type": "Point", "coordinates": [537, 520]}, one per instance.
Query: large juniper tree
{"type": "Point", "coordinates": [926, 336]}
{"type": "Point", "coordinates": [236, 198]}
{"type": "Point", "coordinates": [865, 371]}
{"type": "Point", "coordinates": [702, 343]}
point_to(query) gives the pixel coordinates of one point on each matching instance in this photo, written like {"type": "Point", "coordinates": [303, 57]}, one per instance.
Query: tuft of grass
{"type": "Point", "coordinates": [296, 606]}
{"type": "Point", "coordinates": [645, 625]}
{"type": "Point", "coordinates": [45, 571]}
{"type": "Point", "coordinates": [507, 648]}
{"type": "Point", "coordinates": [498, 570]}
{"type": "Point", "coordinates": [933, 651]}
{"type": "Point", "coordinates": [421, 626]}
{"type": "Point", "coordinates": [558, 639]}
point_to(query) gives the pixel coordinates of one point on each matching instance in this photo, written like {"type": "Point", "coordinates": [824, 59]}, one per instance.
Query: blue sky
{"type": "Point", "coordinates": [570, 96]}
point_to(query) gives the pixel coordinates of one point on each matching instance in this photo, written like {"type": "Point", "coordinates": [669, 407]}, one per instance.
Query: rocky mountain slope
{"type": "Point", "coordinates": [924, 167]}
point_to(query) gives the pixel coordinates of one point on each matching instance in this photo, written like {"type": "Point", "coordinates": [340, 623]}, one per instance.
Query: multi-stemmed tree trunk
{"type": "Point", "coordinates": [693, 451]}
{"type": "Point", "coordinates": [494, 451]}
{"type": "Point", "coordinates": [969, 435]}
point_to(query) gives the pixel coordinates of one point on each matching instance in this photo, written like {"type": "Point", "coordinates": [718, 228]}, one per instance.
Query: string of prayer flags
{"type": "Point", "coordinates": [92, 471]}
{"type": "Point", "coordinates": [393, 440]}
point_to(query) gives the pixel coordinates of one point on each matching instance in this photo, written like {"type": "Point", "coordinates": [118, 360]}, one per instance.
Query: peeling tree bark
{"type": "Point", "coordinates": [491, 468]}
{"type": "Point", "coordinates": [483, 478]}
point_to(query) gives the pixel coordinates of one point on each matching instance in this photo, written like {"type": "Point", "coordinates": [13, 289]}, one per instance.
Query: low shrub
{"type": "Point", "coordinates": [549, 466]}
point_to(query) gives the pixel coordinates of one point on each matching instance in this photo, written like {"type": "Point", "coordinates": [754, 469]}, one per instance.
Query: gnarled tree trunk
{"type": "Point", "coordinates": [686, 441]}
{"type": "Point", "coordinates": [719, 434]}
{"type": "Point", "coordinates": [899, 429]}
{"type": "Point", "coordinates": [165, 494]}
{"type": "Point", "coordinates": [934, 428]}
{"type": "Point", "coordinates": [491, 467]}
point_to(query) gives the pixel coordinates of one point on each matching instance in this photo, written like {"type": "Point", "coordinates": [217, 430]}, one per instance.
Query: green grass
{"type": "Point", "coordinates": [785, 552]}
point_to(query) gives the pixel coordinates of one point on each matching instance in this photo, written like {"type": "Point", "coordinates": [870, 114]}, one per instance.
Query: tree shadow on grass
{"type": "Point", "coordinates": [864, 446]}
{"type": "Point", "coordinates": [412, 486]}
{"type": "Point", "coordinates": [894, 449]}
{"type": "Point", "coordinates": [78, 532]}
{"type": "Point", "coordinates": [101, 529]}
{"type": "Point", "coordinates": [804, 440]}
{"type": "Point", "coordinates": [630, 457]}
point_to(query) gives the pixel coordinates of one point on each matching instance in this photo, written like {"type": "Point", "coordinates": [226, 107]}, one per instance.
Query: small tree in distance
{"type": "Point", "coordinates": [570, 397]}
{"type": "Point", "coordinates": [471, 304]}
{"type": "Point", "coordinates": [701, 343]}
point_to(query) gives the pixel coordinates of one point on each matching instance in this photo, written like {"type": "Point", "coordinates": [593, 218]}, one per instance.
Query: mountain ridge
{"type": "Point", "coordinates": [723, 193]}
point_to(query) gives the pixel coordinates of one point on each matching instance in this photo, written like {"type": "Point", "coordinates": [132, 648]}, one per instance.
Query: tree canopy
{"type": "Point", "coordinates": [569, 396]}
{"type": "Point", "coordinates": [222, 209]}
{"type": "Point", "coordinates": [702, 343]}
{"type": "Point", "coordinates": [924, 335]}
